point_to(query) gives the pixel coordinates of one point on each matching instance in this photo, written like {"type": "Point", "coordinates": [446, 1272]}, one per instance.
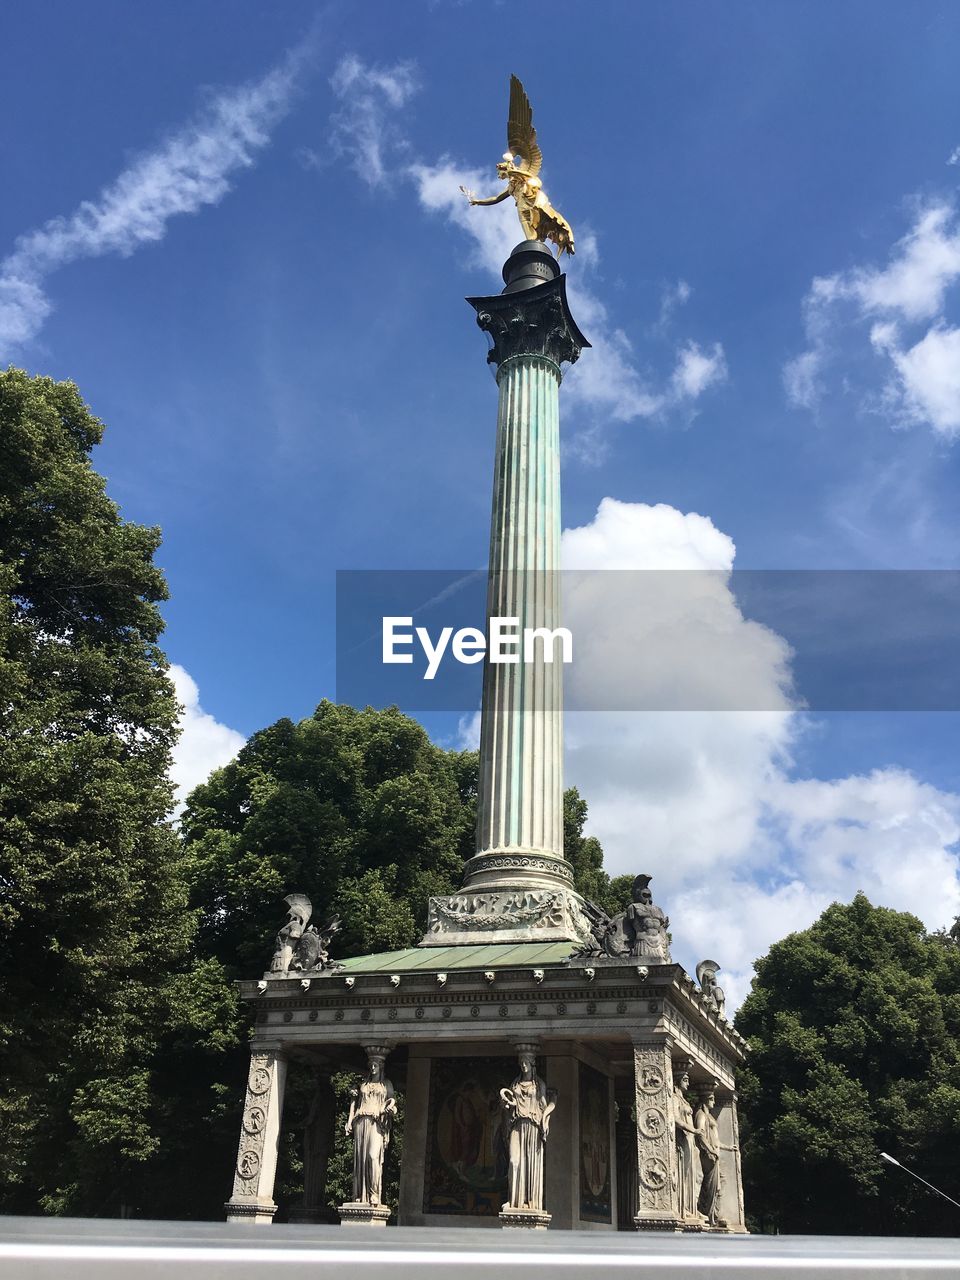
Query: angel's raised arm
{"type": "Point", "coordinates": [502, 195]}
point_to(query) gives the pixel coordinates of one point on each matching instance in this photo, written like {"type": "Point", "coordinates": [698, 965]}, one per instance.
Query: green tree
{"type": "Point", "coordinates": [357, 809]}
{"type": "Point", "coordinates": [854, 1027]}
{"type": "Point", "coordinates": [94, 931]}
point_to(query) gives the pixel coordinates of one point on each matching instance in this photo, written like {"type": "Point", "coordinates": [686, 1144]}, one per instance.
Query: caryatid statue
{"type": "Point", "coordinates": [519, 169]}
{"type": "Point", "coordinates": [688, 1170]}
{"type": "Point", "coordinates": [529, 1106]}
{"type": "Point", "coordinates": [370, 1121]}
{"type": "Point", "coordinates": [708, 1141]}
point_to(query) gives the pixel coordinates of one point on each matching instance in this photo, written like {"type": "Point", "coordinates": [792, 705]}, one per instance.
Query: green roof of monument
{"type": "Point", "coordinates": [428, 959]}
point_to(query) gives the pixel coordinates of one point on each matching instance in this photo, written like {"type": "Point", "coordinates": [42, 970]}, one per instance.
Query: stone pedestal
{"type": "Point", "coordinates": [528, 1219]}
{"type": "Point", "coordinates": [357, 1214]}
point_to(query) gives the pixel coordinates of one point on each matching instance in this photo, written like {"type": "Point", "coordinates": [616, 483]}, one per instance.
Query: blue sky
{"type": "Point", "coordinates": [263, 300]}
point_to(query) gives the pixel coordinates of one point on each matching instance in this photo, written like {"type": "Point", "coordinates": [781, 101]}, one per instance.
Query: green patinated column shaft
{"type": "Point", "coordinates": [520, 799]}
{"type": "Point", "coordinates": [520, 802]}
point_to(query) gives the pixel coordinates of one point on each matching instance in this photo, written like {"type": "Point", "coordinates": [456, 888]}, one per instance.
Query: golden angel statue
{"type": "Point", "coordinates": [519, 169]}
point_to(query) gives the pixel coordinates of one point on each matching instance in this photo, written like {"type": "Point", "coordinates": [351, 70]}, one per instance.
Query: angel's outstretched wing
{"type": "Point", "coordinates": [521, 135]}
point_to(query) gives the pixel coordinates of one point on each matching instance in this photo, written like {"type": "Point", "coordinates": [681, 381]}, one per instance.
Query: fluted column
{"type": "Point", "coordinates": [520, 800]}
{"type": "Point", "coordinates": [521, 744]}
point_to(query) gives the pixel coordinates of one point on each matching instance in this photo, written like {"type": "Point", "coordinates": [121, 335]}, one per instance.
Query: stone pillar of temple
{"type": "Point", "coordinates": [626, 1155]}
{"type": "Point", "coordinates": [256, 1168]}
{"type": "Point", "coordinates": [731, 1178]}
{"type": "Point", "coordinates": [657, 1208]}
{"type": "Point", "coordinates": [518, 887]}
{"type": "Point", "coordinates": [318, 1139]}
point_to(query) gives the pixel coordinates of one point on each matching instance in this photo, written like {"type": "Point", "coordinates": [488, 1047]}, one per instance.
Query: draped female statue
{"type": "Point", "coordinates": [708, 1140]}
{"type": "Point", "coordinates": [529, 1107]}
{"type": "Point", "coordinates": [688, 1162]}
{"type": "Point", "coordinates": [372, 1109]}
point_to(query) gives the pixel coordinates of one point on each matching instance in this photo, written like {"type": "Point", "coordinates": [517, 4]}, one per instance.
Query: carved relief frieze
{"type": "Point", "coordinates": [528, 908]}
{"type": "Point", "coordinates": [482, 863]}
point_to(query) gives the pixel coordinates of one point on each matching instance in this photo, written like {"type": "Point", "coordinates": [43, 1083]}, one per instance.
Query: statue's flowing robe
{"type": "Point", "coordinates": [370, 1137]}
{"type": "Point", "coordinates": [526, 1145]}
{"type": "Point", "coordinates": [688, 1164]}
{"type": "Point", "coordinates": [710, 1162]}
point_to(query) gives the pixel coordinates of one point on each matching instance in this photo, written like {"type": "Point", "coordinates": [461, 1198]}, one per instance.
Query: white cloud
{"type": "Point", "coordinates": [192, 168]}
{"type": "Point", "coordinates": [606, 384]}
{"type": "Point", "coordinates": [924, 263]}
{"type": "Point", "coordinates": [741, 852]}
{"type": "Point", "coordinates": [205, 744]}
{"type": "Point", "coordinates": [954, 156]}
{"type": "Point", "coordinates": [468, 732]}
{"type": "Point", "coordinates": [910, 290]}
{"type": "Point", "coordinates": [927, 386]}
{"type": "Point", "coordinates": [363, 131]}
{"type": "Point", "coordinates": [697, 370]}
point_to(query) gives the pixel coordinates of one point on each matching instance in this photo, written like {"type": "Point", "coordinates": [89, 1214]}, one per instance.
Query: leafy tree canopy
{"type": "Point", "coordinates": [854, 1026]}
{"type": "Point", "coordinates": [93, 919]}
{"type": "Point", "coordinates": [357, 809]}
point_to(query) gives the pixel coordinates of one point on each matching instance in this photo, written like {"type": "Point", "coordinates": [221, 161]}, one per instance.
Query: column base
{"type": "Point", "coordinates": [531, 1219]}
{"type": "Point", "coordinates": [355, 1213]}
{"type": "Point", "coordinates": [252, 1210]}
{"type": "Point", "coordinates": [644, 1222]}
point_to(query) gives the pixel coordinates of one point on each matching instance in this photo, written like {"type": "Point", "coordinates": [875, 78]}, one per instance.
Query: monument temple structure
{"type": "Point", "coordinates": [557, 1068]}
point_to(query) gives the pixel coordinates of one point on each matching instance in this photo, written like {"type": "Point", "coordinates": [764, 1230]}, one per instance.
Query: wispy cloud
{"type": "Point", "coordinates": [672, 297]}
{"type": "Point", "coordinates": [190, 169]}
{"type": "Point", "coordinates": [363, 131]}
{"type": "Point", "coordinates": [900, 308]}
{"type": "Point", "coordinates": [607, 386]}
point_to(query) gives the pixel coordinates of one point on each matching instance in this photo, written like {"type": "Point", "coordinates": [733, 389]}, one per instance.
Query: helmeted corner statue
{"type": "Point", "coordinates": [639, 931]}
{"type": "Point", "coordinates": [302, 947]}
{"type": "Point", "coordinates": [708, 1140]}
{"type": "Point", "coordinates": [519, 169]}
{"type": "Point", "coordinates": [299, 911]}
{"type": "Point", "coordinates": [645, 924]}
{"type": "Point", "coordinates": [711, 990]}
{"type": "Point", "coordinates": [528, 1106]}
{"type": "Point", "coordinates": [370, 1121]}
